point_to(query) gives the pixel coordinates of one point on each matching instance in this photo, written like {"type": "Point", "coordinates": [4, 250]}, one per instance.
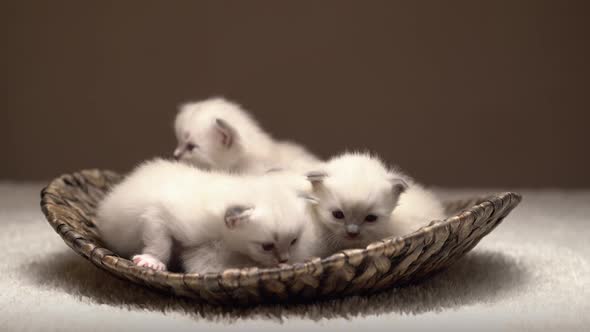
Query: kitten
{"type": "Point", "coordinates": [221, 135]}
{"type": "Point", "coordinates": [164, 201]}
{"type": "Point", "coordinates": [359, 200]}
{"type": "Point", "coordinates": [216, 256]}
{"type": "Point", "coordinates": [213, 256]}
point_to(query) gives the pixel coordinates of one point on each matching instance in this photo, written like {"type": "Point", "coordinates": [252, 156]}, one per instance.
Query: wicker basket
{"type": "Point", "coordinates": [69, 203]}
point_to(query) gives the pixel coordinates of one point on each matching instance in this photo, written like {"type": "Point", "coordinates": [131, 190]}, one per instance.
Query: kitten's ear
{"type": "Point", "coordinates": [236, 215]}
{"type": "Point", "coordinates": [309, 198]}
{"type": "Point", "coordinates": [226, 132]}
{"type": "Point", "coordinates": [316, 177]}
{"type": "Point", "coordinates": [398, 186]}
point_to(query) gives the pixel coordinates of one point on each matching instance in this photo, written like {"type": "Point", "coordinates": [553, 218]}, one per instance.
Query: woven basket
{"type": "Point", "coordinates": [69, 203]}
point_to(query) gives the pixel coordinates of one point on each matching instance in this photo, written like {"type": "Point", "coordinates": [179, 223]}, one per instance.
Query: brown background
{"type": "Point", "coordinates": [458, 93]}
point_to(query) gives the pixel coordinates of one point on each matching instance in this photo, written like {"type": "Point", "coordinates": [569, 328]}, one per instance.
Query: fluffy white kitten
{"type": "Point", "coordinates": [221, 135]}
{"type": "Point", "coordinates": [213, 256]}
{"type": "Point", "coordinates": [165, 201]}
{"type": "Point", "coordinates": [359, 200]}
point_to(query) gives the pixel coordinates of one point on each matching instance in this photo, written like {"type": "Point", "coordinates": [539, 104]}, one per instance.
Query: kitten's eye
{"type": "Point", "coordinates": [190, 146]}
{"type": "Point", "coordinates": [268, 246]}
{"type": "Point", "coordinates": [338, 214]}
{"type": "Point", "coordinates": [371, 218]}
{"type": "Point", "coordinates": [294, 241]}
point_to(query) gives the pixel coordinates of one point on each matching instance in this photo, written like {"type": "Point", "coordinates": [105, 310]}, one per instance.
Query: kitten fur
{"type": "Point", "coordinates": [162, 202]}
{"type": "Point", "coordinates": [220, 135]}
{"type": "Point", "coordinates": [212, 256]}
{"type": "Point", "coordinates": [362, 188]}
{"type": "Point", "coordinates": [215, 256]}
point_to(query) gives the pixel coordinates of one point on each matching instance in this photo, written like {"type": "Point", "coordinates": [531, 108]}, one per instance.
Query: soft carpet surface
{"type": "Point", "coordinates": [531, 273]}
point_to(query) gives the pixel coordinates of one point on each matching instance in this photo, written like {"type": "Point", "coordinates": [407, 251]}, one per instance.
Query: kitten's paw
{"type": "Point", "coordinates": [147, 260]}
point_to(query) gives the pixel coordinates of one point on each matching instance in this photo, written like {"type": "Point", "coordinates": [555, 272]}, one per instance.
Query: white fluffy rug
{"type": "Point", "coordinates": [531, 273]}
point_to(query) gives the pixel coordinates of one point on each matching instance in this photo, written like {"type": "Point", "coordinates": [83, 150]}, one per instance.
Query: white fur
{"type": "Point", "coordinates": [213, 256]}
{"type": "Point", "coordinates": [251, 149]}
{"type": "Point", "coordinates": [359, 185]}
{"type": "Point", "coordinates": [417, 206]}
{"type": "Point", "coordinates": [216, 256]}
{"type": "Point", "coordinates": [162, 201]}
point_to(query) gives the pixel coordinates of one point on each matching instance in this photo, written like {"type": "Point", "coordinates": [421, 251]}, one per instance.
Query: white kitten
{"type": "Point", "coordinates": [216, 256]}
{"type": "Point", "coordinates": [358, 200]}
{"type": "Point", "coordinates": [213, 256]}
{"type": "Point", "coordinates": [221, 135]}
{"type": "Point", "coordinates": [162, 201]}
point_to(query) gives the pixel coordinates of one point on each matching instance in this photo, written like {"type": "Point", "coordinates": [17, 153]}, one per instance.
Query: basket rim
{"type": "Point", "coordinates": [313, 265]}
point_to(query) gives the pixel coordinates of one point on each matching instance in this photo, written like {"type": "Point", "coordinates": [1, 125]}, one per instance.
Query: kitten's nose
{"type": "Point", "coordinates": [283, 258]}
{"type": "Point", "coordinates": [352, 230]}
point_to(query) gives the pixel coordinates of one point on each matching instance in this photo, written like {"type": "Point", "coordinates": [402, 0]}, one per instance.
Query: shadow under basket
{"type": "Point", "coordinates": [69, 203]}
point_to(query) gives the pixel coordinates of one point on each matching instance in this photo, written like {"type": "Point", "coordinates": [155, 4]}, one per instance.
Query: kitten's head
{"type": "Point", "coordinates": [268, 233]}
{"type": "Point", "coordinates": [356, 195]}
{"type": "Point", "coordinates": [207, 134]}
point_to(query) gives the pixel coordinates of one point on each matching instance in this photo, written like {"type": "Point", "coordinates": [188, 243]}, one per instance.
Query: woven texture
{"type": "Point", "coordinates": [69, 203]}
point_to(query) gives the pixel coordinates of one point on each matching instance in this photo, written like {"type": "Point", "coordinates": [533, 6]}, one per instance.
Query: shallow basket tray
{"type": "Point", "coordinates": [69, 203]}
